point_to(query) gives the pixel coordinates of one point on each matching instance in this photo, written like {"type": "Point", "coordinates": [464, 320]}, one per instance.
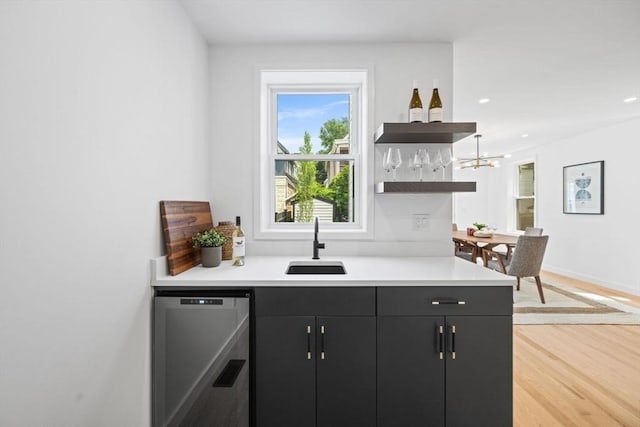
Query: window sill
{"type": "Point", "coordinates": [306, 233]}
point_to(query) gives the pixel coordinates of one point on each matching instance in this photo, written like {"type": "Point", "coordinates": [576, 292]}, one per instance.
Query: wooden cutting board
{"type": "Point", "coordinates": [180, 222]}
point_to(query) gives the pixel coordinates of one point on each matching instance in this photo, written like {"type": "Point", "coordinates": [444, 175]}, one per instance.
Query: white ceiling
{"type": "Point", "coordinates": [552, 68]}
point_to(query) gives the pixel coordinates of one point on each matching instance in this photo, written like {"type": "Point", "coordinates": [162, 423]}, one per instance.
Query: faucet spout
{"type": "Point", "coordinates": [316, 244]}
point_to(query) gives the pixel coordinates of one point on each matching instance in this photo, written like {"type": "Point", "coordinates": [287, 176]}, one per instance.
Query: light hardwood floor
{"type": "Point", "coordinates": [577, 375]}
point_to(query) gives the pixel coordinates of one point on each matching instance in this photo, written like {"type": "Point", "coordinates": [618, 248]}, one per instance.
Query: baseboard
{"type": "Point", "coordinates": [592, 279]}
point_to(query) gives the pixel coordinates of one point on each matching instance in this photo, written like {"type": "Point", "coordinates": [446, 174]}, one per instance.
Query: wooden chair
{"type": "Point", "coordinates": [463, 249]}
{"type": "Point", "coordinates": [526, 260]}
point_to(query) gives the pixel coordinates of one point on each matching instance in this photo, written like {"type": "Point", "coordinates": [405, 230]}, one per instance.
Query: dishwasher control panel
{"type": "Point", "coordinates": [201, 301]}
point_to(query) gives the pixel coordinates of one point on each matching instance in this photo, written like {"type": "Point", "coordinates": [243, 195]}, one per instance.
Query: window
{"type": "Point", "coordinates": [312, 158]}
{"type": "Point", "coordinates": [525, 196]}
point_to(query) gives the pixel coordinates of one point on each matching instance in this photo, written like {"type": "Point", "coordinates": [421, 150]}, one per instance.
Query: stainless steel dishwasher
{"type": "Point", "coordinates": [201, 358]}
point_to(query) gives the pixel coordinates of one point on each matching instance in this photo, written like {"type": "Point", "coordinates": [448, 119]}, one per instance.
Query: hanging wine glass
{"type": "Point", "coordinates": [412, 167]}
{"type": "Point", "coordinates": [447, 158]}
{"type": "Point", "coordinates": [386, 166]}
{"type": "Point", "coordinates": [417, 161]}
{"type": "Point", "coordinates": [436, 163]}
{"type": "Point", "coordinates": [421, 159]}
{"type": "Point", "coordinates": [395, 160]}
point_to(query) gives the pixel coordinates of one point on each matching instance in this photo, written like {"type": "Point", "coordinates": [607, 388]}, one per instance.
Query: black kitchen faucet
{"type": "Point", "coordinates": [316, 245]}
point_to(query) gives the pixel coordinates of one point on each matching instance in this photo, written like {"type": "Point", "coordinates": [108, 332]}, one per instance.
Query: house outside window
{"type": "Point", "coordinates": [312, 155]}
{"type": "Point", "coordinates": [525, 196]}
{"type": "Point", "coordinates": [285, 186]}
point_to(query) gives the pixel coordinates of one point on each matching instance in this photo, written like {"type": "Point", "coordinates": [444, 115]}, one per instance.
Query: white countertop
{"type": "Point", "coordinates": [361, 271]}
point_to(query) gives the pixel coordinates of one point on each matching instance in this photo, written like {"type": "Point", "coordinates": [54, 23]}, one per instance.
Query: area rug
{"type": "Point", "coordinates": [566, 305]}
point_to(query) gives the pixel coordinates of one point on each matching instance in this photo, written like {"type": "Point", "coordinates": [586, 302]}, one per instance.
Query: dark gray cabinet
{"type": "Point", "coordinates": [479, 381]}
{"type": "Point", "coordinates": [315, 353]}
{"type": "Point", "coordinates": [285, 376]}
{"type": "Point", "coordinates": [410, 374]}
{"type": "Point", "coordinates": [385, 357]}
{"type": "Point", "coordinates": [444, 356]}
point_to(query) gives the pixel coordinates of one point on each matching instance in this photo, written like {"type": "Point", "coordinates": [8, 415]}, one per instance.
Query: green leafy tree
{"type": "Point", "coordinates": [330, 131]}
{"type": "Point", "coordinates": [340, 188]}
{"type": "Point", "coordinates": [311, 175]}
{"type": "Point", "coordinates": [307, 185]}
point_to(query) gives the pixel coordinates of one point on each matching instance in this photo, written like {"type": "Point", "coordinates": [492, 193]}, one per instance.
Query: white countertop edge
{"type": "Point", "coordinates": [444, 271]}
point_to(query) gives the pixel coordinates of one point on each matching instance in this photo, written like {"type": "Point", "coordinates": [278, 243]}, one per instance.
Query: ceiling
{"type": "Point", "coordinates": [551, 68]}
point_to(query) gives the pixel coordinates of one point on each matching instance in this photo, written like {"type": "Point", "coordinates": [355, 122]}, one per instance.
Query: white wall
{"type": "Point", "coordinates": [103, 113]}
{"type": "Point", "coordinates": [235, 137]}
{"type": "Point", "coordinates": [597, 248]}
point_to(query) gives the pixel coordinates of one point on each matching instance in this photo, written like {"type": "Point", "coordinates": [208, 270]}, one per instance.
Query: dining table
{"type": "Point", "coordinates": [479, 243]}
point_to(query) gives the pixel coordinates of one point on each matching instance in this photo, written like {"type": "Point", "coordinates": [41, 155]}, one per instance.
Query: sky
{"type": "Point", "coordinates": [298, 113]}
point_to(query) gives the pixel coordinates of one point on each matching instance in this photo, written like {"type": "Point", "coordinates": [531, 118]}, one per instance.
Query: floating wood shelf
{"type": "Point", "coordinates": [442, 133]}
{"type": "Point", "coordinates": [425, 187]}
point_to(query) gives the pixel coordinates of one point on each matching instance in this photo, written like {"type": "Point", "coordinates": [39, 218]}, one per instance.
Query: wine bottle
{"type": "Point", "coordinates": [238, 244]}
{"type": "Point", "coordinates": [415, 106]}
{"type": "Point", "coordinates": [435, 106]}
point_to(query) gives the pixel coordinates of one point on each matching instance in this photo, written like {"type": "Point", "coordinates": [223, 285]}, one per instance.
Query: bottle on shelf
{"type": "Point", "coordinates": [435, 106]}
{"type": "Point", "coordinates": [415, 106]}
{"type": "Point", "coordinates": [238, 244]}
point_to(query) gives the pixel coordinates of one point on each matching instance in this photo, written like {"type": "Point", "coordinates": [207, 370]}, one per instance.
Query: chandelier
{"type": "Point", "coordinates": [481, 160]}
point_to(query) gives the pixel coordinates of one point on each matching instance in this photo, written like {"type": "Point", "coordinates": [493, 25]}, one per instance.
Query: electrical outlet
{"type": "Point", "coordinates": [420, 222]}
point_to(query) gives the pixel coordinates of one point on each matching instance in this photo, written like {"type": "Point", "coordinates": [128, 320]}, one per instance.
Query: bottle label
{"type": "Point", "coordinates": [415, 115]}
{"type": "Point", "coordinates": [435, 114]}
{"type": "Point", "coordinates": [238, 246]}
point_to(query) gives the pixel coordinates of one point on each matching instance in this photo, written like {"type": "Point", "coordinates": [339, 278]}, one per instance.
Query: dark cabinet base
{"type": "Point", "coordinates": [285, 378]}
{"type": "Point", "coordinates": [315, 357]}
{"type": "Point", "coordinates": [410, 372]}
{"type": "Point", "coordinates": [346, 376]}
{"type": "Point", "coordinates": [479, 381]}
{"type": "Point", "coordinates": [402, 358]}
{"type": "Point", "coordinates": [462, 378]}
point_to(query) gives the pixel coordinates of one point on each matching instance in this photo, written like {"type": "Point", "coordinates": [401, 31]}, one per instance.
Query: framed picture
{"type": "Point", "coordinates": [583, 188]}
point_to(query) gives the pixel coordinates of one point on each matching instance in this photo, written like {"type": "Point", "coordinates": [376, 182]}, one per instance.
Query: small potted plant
{"type": "Point", "coordinates": [210, 243]}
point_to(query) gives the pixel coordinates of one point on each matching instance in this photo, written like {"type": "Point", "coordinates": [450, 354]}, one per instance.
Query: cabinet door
{"type": "Point", "coordinates": [410, 371]}
{"type": "Point", "coordinates": [285, 371]}
{"type": "Point", "coordinates": [479, 386]}
{"type": "Point", "coordinates": [346, 371]}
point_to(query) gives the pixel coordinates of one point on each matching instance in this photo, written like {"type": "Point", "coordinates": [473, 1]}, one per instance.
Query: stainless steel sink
{"type": "Point", "coordinates": [316, 267]}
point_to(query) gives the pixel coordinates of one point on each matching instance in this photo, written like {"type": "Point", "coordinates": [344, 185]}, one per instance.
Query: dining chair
{"type": "Point", "coordinates": [462, 249]}
{"type": "Point", "coordinates": [526, 260]}
{"type": "Point", "coordinates": [533, 231]}
{"type": "Point", "coordinates": [528, 231]}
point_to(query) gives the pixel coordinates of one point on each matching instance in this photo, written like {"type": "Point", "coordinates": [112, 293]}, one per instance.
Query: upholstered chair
{"type": "Point", "coordinates": [529, 231]}
{"type": "Point", "coordinates": [526, 260]}
{"type": "Point", "coordinates": [533, 231]}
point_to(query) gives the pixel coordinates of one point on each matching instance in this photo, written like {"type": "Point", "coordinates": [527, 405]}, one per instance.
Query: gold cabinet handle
{"type": "Point", "coordinates": [453, 342]}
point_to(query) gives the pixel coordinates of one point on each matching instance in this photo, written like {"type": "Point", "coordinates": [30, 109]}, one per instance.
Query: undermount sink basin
{"type": "Point", "coordinates": [316, 267]}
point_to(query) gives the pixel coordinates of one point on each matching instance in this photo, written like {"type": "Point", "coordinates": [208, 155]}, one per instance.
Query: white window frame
{"type": "Point", "coordinates": [274, 81]}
